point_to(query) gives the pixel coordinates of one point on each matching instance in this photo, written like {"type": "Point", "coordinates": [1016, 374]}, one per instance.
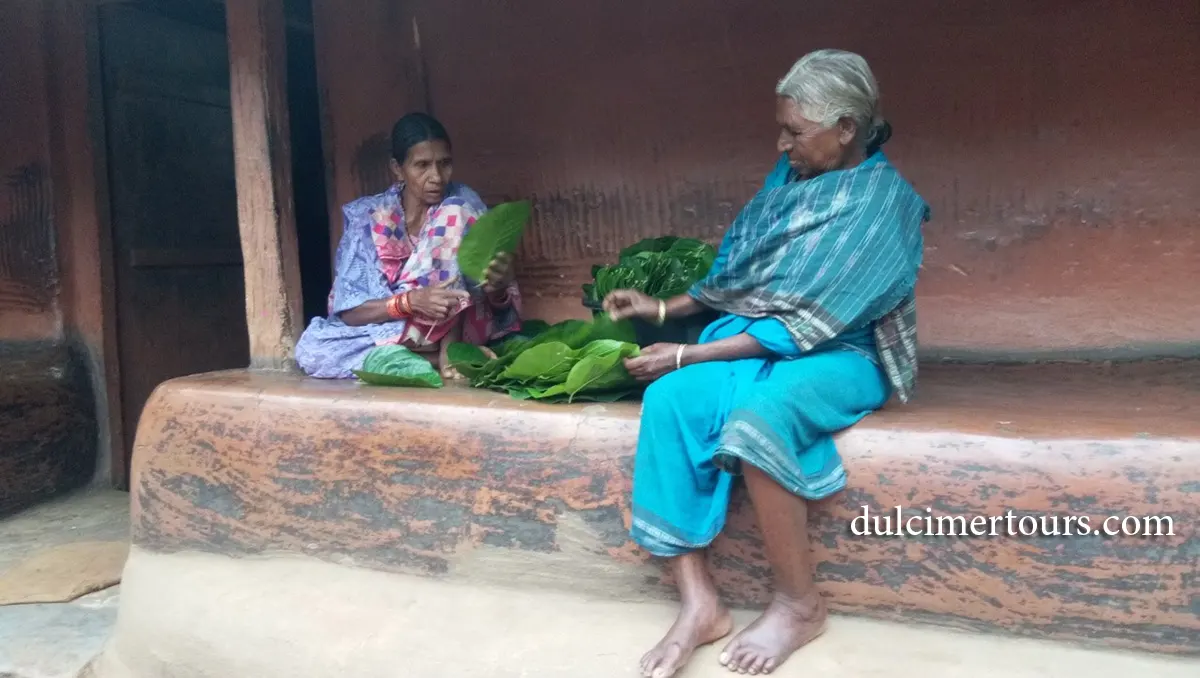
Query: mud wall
{"type": "Point", "coordinates": [49, 304]}
{"type": "Point", "coordinates": [1055, 141]}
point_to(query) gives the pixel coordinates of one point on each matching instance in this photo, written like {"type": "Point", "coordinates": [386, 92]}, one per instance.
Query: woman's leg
{"type": "Point", "coordinates": [797, 613]}
{"type": "Point", "coordinates": [779, 432]}
{"type": "Point", "coordinates": [702, 618]}
{"type": "Point", "coordinates": [679, 502]}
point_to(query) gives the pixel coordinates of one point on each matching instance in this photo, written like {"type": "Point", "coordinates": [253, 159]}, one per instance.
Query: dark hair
{"type": "Point", "coordinates": [878, 136]}
{"type": "Point", "coordinates": [413, 129]}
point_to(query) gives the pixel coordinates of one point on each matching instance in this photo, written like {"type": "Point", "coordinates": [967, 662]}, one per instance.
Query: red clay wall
{"type": "Point", "coordinates": [50, 291]}
{"type": "Point", "coordinates": [1056, 141]}
{"type": "Point", "coordinates": [28, 273]}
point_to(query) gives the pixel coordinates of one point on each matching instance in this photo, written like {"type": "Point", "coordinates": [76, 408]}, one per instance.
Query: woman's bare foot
{"type": "Point", "coordinates": [699, 623]}
{"type": "Point", "coordinates": [787, 625]}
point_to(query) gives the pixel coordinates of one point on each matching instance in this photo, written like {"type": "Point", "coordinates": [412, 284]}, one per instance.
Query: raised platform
{"type": "Point", "coordinates": [474, 486]}
{"type": "Point", "coordinates": [47, 423]}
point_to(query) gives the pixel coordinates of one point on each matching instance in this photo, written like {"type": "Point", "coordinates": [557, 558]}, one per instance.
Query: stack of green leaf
{"type": "Point", "coordinates": [569, 362]}
{"type": "Point", "coordinates": [660, 267]}
{"type": "Point", "coordinates": [398, 366]}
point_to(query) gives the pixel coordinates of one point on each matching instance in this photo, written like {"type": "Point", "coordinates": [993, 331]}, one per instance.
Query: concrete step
{"type": "Point", "coordinates": [481, 488]}
{"type": "Point", "coordinates": [192, 615]}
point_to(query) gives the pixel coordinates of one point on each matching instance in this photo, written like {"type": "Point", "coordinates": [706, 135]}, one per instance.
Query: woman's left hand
{"type": "Point", "coordinates": [654, 361]}
{"type": "Point", "coordinates": [499, 273]}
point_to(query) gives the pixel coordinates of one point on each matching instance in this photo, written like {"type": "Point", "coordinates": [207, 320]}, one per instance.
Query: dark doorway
{"type": "Point", "coordinates": [180, 287]}
{"type": "Point", "coordinates": [308, 160]}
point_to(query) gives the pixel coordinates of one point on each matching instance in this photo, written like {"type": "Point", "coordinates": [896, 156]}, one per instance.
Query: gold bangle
{"type": "Point", "coordinates": [679, 356]}
{"type": "Point", "coordinates": [662, 312]}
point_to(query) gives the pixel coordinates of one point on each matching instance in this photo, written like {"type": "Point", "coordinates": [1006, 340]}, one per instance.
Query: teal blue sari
{"type": "Point", "coordinates": [778, 413]}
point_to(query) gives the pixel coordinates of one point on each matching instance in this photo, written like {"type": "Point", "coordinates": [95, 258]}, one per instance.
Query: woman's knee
{"type": "Point", "coordinates": [673, 388]}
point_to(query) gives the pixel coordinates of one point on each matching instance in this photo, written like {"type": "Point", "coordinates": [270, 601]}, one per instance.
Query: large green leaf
{"type": "Point", "coordinates": [398, 366]}
{"type": "Point", "coordinates": [600, 368]}
{"type": "Point", "coordinates": [468, 359]}
{"type": "Point", "coordinates": [548, 362]}
{"type": "Point", "coordinates": [603, 328]}
{"type": "Point", "coordinates": [498, 230]}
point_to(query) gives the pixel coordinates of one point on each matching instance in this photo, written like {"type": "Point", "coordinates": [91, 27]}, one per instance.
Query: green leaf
{"type": "Point", "coordinates": [660, 267]}
{"type": "Point", "coordinates": [464, 353]}
{"type": "Point", "coordinates": [601, 368]}
{"type": "Point", "coordinates": [547, 362]}
{"type": "Point", "coordinates": [547, 392]}
{"type": "Point", "coordinates": [532, 328]}
{"type": "Point", "coordinates": [468, 359]}
{"type": "Point", "coordinates": [604, 328]}
{"type": "Point", "coordinates": [398, 366]}
{"type": "Point", "coordinates": [498, 230]}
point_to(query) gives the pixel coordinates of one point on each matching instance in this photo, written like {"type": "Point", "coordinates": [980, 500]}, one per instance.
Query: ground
{"type": "Point", "coordinates": [56, 640]}
{"type": "Point", "coordinates": [355, 621]}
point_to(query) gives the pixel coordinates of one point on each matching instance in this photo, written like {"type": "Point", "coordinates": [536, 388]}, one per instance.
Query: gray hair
{"type": "Point", "coordinates": [831, 84]}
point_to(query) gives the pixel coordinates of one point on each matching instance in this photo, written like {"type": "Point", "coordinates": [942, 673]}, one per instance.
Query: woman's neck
{"type": "Point", "coordinates": [854, 158]}
{"type": "Point", "coordinates": [415, 211]}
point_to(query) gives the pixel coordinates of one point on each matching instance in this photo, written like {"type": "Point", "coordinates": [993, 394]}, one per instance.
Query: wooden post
{"type": "Point", "coordinates": [263, 166]}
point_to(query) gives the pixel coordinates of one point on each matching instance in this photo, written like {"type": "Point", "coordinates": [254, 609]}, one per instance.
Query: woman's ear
{"type": "Point", "coordinates": [397, 173]}
{"type": "Point", "coordinates": [847, 131]}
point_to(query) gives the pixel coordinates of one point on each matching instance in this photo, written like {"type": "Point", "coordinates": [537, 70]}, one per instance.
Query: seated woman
{"type": "Point", "coordinates": [396, 278]}
{"type": "Point", "coordinates": [814, 281]}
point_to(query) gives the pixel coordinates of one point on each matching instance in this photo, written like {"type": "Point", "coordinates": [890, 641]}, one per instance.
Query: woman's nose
{"type": "Point", "coordinates": [783, 144]}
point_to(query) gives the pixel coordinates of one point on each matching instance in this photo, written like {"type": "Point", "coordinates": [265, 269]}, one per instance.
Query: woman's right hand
{"type": "Point", "coordinates": [622, 304]}
{"type": "Point", "coordinates": [435, 303]}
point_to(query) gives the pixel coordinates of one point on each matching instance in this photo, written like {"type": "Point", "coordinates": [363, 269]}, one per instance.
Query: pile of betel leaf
{"type": "Point", "coordinates": [569, 362]}
{"type": "Point", "coordinates": [572, 361]}
{"type": "Point", "coordinates": [660, 267]}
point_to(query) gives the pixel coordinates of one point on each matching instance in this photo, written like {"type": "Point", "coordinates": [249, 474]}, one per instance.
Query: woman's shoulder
{"type": "Point", "coordinates": [360, 209]}
{"type": "Point", "coordinates": [463, 197]}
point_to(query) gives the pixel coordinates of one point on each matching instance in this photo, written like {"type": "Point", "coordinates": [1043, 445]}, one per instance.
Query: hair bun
{"type": "Point", "coordinates": [880, 133]}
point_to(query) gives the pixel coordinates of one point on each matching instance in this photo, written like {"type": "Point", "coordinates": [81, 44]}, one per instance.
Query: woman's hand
{"type": "Point", "coordinates": [654, 361]}
{"type": "Point", "coordinates": [622, 304]}
{"type": "Point", "coordinates": [499, 274]}
{"type": "Point", "coordinates": [436, 303]}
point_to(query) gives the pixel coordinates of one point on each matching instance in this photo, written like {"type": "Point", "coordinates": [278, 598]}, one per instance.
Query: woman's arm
{"type": "Point", "coordinates": [659, 359]}
{"type": "Point", "coordinates": [623, 304]}
{"type": "Point", "coordinates": [683, 306]}
{"type": "Point", "coordinates": [737, 347]}
{"type": "Point", "coordinates": [367, 313]}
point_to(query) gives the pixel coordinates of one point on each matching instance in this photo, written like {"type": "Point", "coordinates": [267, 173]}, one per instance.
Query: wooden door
{"type": "Point", "coordinates": [180, 290]}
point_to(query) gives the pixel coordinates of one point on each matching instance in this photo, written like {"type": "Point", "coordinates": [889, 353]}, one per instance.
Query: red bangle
{"type": "Point", "coordinates": [395, 308]}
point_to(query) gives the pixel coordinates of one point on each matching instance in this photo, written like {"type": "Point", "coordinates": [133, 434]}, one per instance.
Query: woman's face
{"type": "Point", "coordinates": [811, 148]}
{"type": "Point", "coordinates": [426, 171]}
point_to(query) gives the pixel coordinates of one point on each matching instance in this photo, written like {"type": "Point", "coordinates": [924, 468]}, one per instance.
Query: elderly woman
{"type": "Point", "coordinates": [814, 282]}
{"type": "Point", "coordinates": [397, 279]}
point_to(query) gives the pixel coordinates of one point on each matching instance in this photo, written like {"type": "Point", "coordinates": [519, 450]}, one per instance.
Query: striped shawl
{"type": "Point", "coordinates": [829, 255]}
